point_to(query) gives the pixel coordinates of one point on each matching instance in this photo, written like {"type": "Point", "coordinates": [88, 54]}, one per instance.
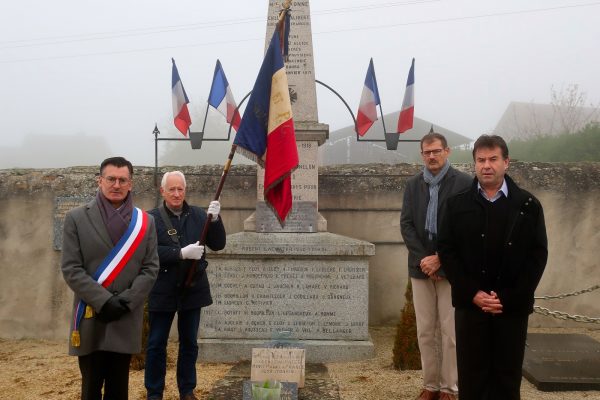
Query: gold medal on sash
{"type": "Point", "coordinates": [89, 312]}
{"type": "Point", "coordinates": [75, 339]}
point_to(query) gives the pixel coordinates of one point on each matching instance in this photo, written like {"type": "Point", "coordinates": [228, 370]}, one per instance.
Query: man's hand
{"type": "Point", "coordinates": [430, 265]}
{"type": "Point", "coordinates": [192, 251]}
{"type": "Point", "coordinates": [113, 309]}
{"type": "Point", "coordinates": [214, 208]}
{"type": "Point", "coordinates": [489, 303]}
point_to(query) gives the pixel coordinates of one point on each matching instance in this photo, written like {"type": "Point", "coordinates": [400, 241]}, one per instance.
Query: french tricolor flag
{"type": "Point", "coordinates": [181, 115]}
{"type": "Point", "coordinates": [267, 134]}
{"type": "Point", "coordinates": [221, 98]}
{"type": "Point", "coordinates": [369, 100]}
{"type": "Point", "coordinates": [407, 112]}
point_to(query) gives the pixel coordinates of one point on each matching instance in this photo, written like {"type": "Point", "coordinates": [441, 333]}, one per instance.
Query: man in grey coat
{"type": "Point", "coordinates": [110, 261]}
{"type": "Point", "coordinates": [424, 199]}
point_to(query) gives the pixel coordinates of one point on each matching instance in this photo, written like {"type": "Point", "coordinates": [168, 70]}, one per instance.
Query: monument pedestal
{"type": "Point", "coordinates": [313, 285]}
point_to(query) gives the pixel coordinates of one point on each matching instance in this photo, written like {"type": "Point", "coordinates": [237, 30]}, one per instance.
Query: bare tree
{"type": "Point", "coordinates": [570, 108]}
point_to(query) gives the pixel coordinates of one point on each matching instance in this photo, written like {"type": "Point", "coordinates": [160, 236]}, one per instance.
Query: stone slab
{"type": "Point", "coordinates": [317, 351]}
{"type": "Point", "coordinates": [303, 217]}
{"type": "Point", "coordinates": [561, 362]}
{"type": "Point", "coordinates": [321, 244]}
{"type": "Point", "coordinates": [318, 385]}
{"type": "Point", "coordinates": [282, 364]}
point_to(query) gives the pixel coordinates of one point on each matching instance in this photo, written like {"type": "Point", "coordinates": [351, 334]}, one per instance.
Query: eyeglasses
{"type": "Point", "coordinates": [112, 180]}
{"type": "Point", "coordinates": [435, 152]}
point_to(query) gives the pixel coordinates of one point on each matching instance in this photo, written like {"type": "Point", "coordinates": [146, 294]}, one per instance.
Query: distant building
{"type": "Point", "coordinates": [343, 148]}
{"type": "Point", "coordinates": [527, 120]}
{"type": "Point", "coordinates": [55, 151]}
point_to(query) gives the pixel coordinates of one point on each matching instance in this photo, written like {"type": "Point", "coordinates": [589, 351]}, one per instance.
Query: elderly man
{"type": "Point", "coordinates": [110, 262]}
{"type": "Point", "coordinates": [179, 227]}
{"type": "Point", "coordinates": [422, 210]}
{"type": "Point", "coordinates": [494, 248]}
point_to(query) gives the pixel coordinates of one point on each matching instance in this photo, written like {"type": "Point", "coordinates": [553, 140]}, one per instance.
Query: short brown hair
{"type": "Point", "coordinates": [490, 142]}
{"type": "Point", "coordinates": [431, 136]}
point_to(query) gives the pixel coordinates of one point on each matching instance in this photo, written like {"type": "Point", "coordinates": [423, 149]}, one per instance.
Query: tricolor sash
{"type": "Point", "coordinates": [112, 265]}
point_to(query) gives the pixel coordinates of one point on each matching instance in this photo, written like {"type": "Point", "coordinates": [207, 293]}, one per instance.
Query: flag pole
{"type": "Point", "coordinates": [192, 271]}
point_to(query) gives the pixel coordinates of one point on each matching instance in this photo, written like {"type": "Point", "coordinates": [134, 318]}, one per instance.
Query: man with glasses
{"type": "Point", "coordinates": [422, 208]}
{"type": "Point", "coordinates": [494, 247]}
{"type": "Point", "coordinates": [179, 227]}
{"type": "Point", "coordinates": [110, 261]}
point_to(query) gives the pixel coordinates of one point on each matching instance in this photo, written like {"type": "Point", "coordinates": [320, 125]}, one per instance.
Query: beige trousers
{"type": "Point", "coordinates": [436, 335]}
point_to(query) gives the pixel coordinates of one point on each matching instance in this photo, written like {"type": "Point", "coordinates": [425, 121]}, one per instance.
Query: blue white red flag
{"type": "Point", "coordinates": [221, 97]}
{"type": "Point", "coordinates": [267, 134]}
{"type": "Point", "coordinates": [407, 112]}
{"type": "Point", "coordinates": [367, 110]}
{"type": "Point", "coordinates": [181, 115]}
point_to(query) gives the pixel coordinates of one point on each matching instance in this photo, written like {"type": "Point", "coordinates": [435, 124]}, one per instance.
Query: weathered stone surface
{"type": "Point", "coordinates": [558, 362]}
{"type": "Point", "coordinates": [313, 285]}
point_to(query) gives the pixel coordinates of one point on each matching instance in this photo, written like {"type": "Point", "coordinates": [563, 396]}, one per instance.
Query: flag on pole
{"type": "Point", "coordinates": [407, 112]}
{"type": "Point", "coordinates": [221, 98]}
{"type": "Point", "coordinates": [369, 100]}
{"type": "Point", "coordinates": [267, 134]}
{"type": "Point", "coordinates": [181, 115]}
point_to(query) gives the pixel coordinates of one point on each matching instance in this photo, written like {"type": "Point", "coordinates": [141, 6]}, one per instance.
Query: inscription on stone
{"type": "Point", "coordinates": [281, 364]}
{"type": "Point", "coordinates": [61, 206]}
{"type": "Point", "coordinates": [311, 299]}
{"type": "Point", "coordinates": [300, 67]}
{"type": "Point", "coordinates": [302, 218]}
{"type": "Point", "coordinates": [305, 190]}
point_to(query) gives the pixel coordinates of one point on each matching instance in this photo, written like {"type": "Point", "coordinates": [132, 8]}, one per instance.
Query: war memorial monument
{"type": "Point", "coordinates": [298, 280]}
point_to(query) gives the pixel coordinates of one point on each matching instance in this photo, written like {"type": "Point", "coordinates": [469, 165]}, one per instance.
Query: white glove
{"type": "Point", "coordinates": [213, 208]}
{"type": "Point", "coordinates": [192, 251]}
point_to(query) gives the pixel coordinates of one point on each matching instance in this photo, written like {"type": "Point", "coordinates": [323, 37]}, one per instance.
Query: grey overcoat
{"type": "Point", "coordinates": [85, 244]}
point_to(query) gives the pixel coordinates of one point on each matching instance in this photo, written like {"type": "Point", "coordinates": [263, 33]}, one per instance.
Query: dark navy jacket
{"type": "Point", "coordinates": [462, 249]}
{"type": "Point", "coordinates": [166, 295]}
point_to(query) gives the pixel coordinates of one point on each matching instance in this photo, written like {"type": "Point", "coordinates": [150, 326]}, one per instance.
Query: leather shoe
{"type": "Point", "coordinates": [428, 395]}
{"type": "Point", "coordinates": [448, 396]}
{"type": "Point", "coordinates": [189, 396]}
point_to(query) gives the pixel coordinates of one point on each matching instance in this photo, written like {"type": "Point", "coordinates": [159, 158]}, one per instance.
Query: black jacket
{"type": "Point", "coordinates": [461, 246]}
{"type": "Point", "coordinates": [166, 295]}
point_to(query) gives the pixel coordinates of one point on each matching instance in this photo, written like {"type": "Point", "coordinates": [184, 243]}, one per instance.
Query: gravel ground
{"type": "Point", "coordinates": [34, 369]}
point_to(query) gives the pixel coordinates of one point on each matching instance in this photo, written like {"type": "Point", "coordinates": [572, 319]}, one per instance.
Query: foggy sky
{"type": "Point", "coordinates": [104, 68]}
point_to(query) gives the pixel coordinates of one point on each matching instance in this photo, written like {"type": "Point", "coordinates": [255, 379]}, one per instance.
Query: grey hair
{"type": "Point", "coordinates": [163, 182]}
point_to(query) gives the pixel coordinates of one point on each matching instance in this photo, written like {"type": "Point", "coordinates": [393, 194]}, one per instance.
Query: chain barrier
{"type": "Point", "coordinates": [564, 295]}
{"type": "Point", "coordinates": [563, 315]}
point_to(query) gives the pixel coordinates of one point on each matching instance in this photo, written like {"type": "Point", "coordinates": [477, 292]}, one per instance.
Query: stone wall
{"type": "Point", "coordinates": [362, 202]}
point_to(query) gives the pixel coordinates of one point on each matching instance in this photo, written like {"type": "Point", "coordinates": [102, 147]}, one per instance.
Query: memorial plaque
{"type": "Point", "coordinates": [61, 206]}
{"type": "Point", "coordinates": [289, 391]}
{"type": "Point", "coordinates": [281, 364]}
{"type": "Point", "coordinates": [559, 362]}
{"type": "Point", "coordinates": [312, 300]}
{"type": "Point", "coordinates": [303, 217]}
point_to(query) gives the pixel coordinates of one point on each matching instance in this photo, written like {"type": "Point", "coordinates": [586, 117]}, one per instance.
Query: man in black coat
{"type": "Point", "coordinates": [179, 227]}
{"type": "Point", "coordinates": [494, 249]}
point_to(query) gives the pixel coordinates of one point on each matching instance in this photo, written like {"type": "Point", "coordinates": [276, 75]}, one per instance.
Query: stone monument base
{"type": "Point", "coordinates": [307, 288]}
{"type": "Point", "coordinates": [317, 351]}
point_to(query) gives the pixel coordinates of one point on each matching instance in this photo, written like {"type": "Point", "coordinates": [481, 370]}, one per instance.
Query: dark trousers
{"type": "Point", "coordinates": [104, 368]}
{"type": "Point", "coordinates": [489, 354]}
{"type": "Point", "coordinates": [156, 355]}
